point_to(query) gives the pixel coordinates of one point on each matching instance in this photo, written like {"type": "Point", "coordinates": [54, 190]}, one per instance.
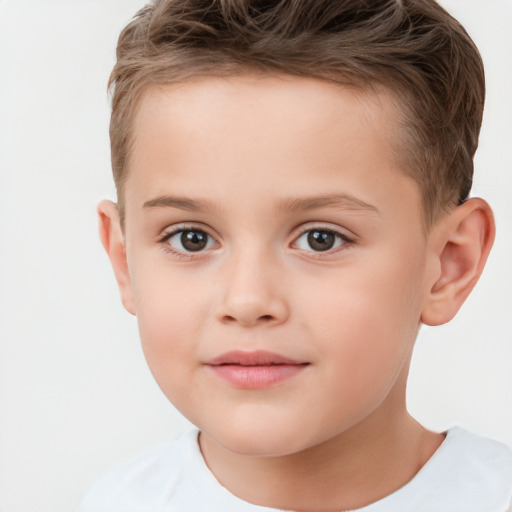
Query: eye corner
{"type": "Point", "coordinates": [321, 240]}
{"type": "Point", "coordinates": [187, 241]}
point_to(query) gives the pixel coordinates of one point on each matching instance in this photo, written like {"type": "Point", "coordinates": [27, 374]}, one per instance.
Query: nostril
{"type": "Point", "coordinates": [233, 319]}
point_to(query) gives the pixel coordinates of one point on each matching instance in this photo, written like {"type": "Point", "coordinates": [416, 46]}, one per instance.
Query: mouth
{"type": "Point", "coordinates": [255, 370]}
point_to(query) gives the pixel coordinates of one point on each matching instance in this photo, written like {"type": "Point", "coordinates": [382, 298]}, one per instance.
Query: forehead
{"type": "Point", "coordinates": [298, 135]}
{"type": "Point", "coordinates": [252, 102]}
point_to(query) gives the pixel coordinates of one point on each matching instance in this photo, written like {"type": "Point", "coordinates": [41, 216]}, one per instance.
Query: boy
{"type": "Point", "coordinates": [293, 182]}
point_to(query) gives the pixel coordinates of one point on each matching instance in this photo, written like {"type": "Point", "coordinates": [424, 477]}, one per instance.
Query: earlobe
{"type": "Point", "coordinates": [464, 240]}
{"type": "Point", "coordinates": [112, 238]}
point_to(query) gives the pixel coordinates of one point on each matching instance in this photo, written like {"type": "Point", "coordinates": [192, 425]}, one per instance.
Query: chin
{"type": "Point", "coordinates": [264, 440]}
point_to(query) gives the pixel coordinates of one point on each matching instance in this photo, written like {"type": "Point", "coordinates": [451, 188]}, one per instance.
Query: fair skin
{"type": "Point", "coordinates": [270, 214]}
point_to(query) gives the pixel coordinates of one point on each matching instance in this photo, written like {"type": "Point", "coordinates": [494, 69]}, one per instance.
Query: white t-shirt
{"type": "Point", "coordinates": [468, 473]}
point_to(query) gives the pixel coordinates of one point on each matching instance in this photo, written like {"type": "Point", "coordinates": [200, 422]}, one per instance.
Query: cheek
{"type": "Point", "coordinates": [379, 300]}
{"type": "Point", "coordinates": [366, 323]}
{"type": "Point", "coordinates": [170, 314]}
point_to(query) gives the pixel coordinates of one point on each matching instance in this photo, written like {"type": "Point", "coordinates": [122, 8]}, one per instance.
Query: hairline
{"type": "Point", "coordinates": [375, 87]}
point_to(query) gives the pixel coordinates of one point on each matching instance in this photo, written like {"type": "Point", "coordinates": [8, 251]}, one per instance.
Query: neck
{"type": "Point", "coordinates": [353, 469]}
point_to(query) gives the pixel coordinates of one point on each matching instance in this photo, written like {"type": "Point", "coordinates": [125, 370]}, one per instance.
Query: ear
{"type": "Point", "coordinates": [461, 243]}
{"type": "Point", "coordinates": [112, 238]}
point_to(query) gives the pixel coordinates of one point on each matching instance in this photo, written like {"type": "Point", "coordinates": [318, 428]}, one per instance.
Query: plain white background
{"type": "Point", "coordinates": [75, 393]}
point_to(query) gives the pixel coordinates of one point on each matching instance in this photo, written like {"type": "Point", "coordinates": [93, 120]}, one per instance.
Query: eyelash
{"type": "Point", "coordinates": [341, 237]}
{"type": "Point", "coordinates": [182, 255]}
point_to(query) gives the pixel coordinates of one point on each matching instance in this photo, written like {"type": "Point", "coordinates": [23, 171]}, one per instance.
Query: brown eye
{"type": "Point", "coordinates": [190, 240]}
{"type": "Point", "coordinates": [320, 240]}
{"type": "Point", "coordinates": [194, 240]}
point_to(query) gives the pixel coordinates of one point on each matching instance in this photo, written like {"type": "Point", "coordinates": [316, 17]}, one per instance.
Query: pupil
{"type": "Point", "coordinates": [321, 240]}
{"type": "Point", "coordinates": [194, 240]}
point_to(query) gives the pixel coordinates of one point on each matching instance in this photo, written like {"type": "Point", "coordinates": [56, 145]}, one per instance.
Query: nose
{"type": "Point", "coordinates": [252, 294]}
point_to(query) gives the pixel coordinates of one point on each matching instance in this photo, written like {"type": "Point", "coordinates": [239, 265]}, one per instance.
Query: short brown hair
{"type": "Point", "coordinates": [414, 48]}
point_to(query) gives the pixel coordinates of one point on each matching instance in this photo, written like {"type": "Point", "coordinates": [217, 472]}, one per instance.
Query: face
{"type": "Point", "coordinates": [276, 256]}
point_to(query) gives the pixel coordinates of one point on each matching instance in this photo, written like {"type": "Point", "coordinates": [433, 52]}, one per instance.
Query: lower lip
{"type": "Point", "coordinates": [257, 377]}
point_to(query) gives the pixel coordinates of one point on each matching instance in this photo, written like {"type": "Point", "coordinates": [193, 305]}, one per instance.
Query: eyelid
{"type": "Point", "coordinates": [174, 229]}
{"type": "Point", "coordinates": [348, 239]}
{"type": "Point", "coordinates": [323, 226]}
{"type": "Point", "coordinates": [346, 236]}
{"type": "Point", "coordinates": [171, 230]}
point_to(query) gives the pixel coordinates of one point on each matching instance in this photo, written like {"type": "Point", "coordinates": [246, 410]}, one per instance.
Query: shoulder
{"type": "Point", "coordinates": [142, 484]}
{"type": "Point", "coordinates": [478, 455]}
{"type": "Point", "coordinates": [172, 477]}
{"type": "Point", "coordinates": [468, 472]}
{"type": "Point", "coordinates": [474, 470]}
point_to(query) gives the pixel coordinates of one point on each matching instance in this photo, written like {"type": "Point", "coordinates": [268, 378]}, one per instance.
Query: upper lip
{"type": "Point", "coordinates": [252, 358]}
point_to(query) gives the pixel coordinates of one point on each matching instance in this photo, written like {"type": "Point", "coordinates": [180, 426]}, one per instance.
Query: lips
{"type": "Point", "coordinates": [255, 370]}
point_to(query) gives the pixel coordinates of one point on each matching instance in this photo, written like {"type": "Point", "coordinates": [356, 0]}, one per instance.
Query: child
{"type": "Point", "coordinates": [293, 182]}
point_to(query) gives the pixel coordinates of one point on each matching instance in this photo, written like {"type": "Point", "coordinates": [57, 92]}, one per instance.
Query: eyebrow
{"type": "Point", "coordinates": [343, 201]}
{"type": "Point", "coordinates": [182, 203]}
